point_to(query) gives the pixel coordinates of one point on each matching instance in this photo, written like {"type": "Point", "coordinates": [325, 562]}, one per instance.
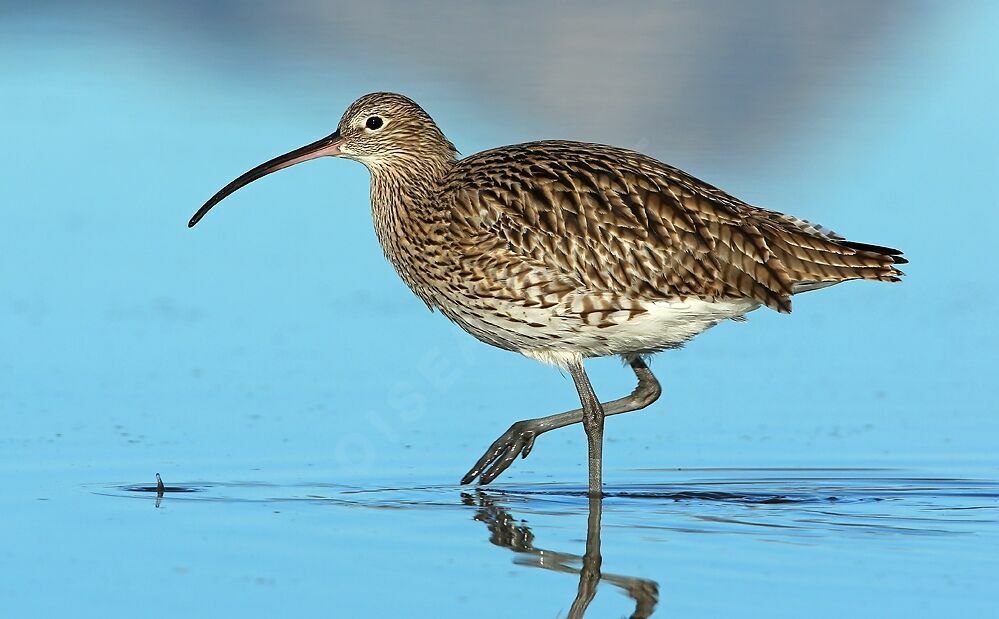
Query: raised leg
{"type": "Point", "coordinates": [519, 439]}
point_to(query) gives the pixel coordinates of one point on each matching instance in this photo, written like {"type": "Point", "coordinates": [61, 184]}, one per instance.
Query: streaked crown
{"type": "Point", "coordinates": [384, 129]}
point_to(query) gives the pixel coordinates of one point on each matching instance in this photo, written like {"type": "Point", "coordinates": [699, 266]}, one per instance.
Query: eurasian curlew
{"type": "Point", "coordinates": [564, 251]}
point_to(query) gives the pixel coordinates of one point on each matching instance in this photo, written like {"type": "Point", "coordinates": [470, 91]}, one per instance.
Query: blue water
{"type": "Point", "coordinates": [840, 461]}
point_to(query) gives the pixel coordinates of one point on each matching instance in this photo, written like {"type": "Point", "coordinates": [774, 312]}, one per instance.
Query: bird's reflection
{"type": "Point", "coordinates": [510, 533]}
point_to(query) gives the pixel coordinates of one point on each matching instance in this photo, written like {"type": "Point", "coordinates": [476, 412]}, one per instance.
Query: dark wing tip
{"type": "Point", "coordinates": [895, 254]}
{"type": "Point", "coordinates": [877, 249]}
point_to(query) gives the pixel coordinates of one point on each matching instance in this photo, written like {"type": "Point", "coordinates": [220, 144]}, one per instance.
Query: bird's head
{"type": "Point", "coordinates": [385, 131]}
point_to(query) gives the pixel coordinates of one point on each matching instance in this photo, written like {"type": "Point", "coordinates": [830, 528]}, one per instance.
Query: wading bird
{"type": "Point", "coordinates": [564, 251]}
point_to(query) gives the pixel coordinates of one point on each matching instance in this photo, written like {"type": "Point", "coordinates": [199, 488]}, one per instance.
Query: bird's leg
{"type": "Point", "coordinates": [593, 423]}
{"type": "Point", "coordinates": [519, 439]}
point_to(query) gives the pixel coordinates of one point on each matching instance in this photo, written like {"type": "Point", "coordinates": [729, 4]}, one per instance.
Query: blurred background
{"type": "Point", "coordinates": [273, 343]}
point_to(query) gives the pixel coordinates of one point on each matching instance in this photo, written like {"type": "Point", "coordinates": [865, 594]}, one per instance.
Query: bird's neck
{"type": "Point", "coordinates": [408, 219]}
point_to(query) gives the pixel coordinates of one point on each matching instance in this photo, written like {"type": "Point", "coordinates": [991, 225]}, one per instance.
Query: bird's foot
{"type": "Point", "coordinates": [518, 440]}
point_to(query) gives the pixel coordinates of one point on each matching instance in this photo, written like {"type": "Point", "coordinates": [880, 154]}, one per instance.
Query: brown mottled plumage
{"type": "Point", "coordinates": [564, 250]}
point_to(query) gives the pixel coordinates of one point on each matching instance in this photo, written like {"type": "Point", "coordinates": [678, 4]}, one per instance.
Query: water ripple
{"type": "Point", "coordinates": [796, 502]}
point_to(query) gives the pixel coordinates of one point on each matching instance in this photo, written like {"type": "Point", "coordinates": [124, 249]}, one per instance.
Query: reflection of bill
{"type": "Point", "coordinates": [510, 533]}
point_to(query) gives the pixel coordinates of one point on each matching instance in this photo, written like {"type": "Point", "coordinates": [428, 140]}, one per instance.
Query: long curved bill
{"type": "Point", "coordinates": [326, 147]}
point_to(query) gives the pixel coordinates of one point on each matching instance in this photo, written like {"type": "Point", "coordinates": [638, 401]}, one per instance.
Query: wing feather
{"type": "Point", "coordinates": [618, 222]}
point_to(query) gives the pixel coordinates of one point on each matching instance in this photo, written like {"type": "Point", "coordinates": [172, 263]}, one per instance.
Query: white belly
{"type": "Point", "coordinates": [663, 325]}
{"type": "Point", "coordinates": [559, 334]}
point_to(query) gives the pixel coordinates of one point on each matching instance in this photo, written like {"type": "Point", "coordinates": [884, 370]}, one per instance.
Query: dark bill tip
{"type": "Point", "coordinates": [328, 146]}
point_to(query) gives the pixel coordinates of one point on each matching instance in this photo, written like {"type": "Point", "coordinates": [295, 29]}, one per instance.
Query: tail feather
{"type": "Point", "coordinates": [813, 257]}
{"type": "Point", "coordinates": [816, 262]}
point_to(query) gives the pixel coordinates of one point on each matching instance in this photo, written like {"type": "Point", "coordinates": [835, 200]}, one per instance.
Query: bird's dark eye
{"type": "Point", "coordinates": [373, 122]}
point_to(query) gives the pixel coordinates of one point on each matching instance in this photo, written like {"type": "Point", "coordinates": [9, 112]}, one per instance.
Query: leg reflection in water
{"type": "Point", "coordinates": [507, 532]}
